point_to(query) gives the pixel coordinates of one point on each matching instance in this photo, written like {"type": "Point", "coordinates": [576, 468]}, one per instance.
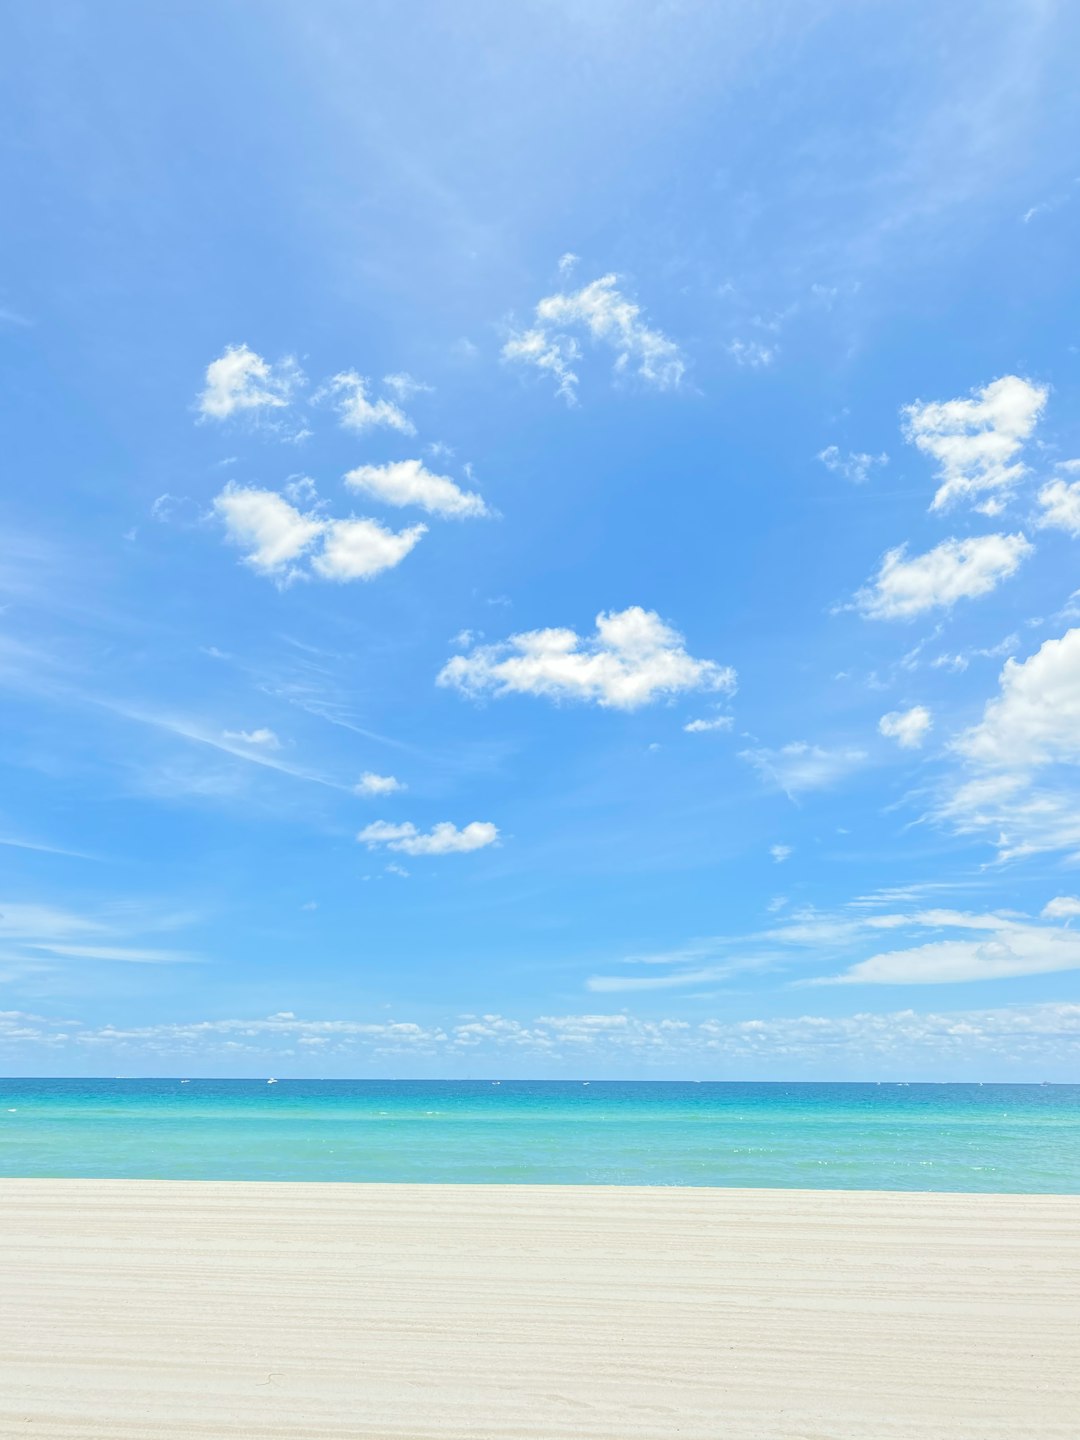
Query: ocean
{"type": "Point", "coordinates": [1018, 1138]}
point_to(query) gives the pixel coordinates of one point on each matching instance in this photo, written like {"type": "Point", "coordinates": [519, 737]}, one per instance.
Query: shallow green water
{"type": "Point", "coordinates": [1022, 1138]}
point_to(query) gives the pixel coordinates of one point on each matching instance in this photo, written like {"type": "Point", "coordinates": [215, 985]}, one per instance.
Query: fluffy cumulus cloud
{"type": "Point", "coordinates": [905, 587]}
{"type": "Point", "coordinates": [976, 441]}
{"type": "Point", "coordinates": [362, 549]}
{"type": "Point", "coordinates": [1062, 907]}
{"type": "Point", "coordinates": [357, 411]}
{"type": "Point", "coordinates": [800, 766]}
{"type": "Point", "coordinates": [272, 533]}
{"type": "Point", "coordinates": [409, 482]}
{"type": "Point", "coordinates": [240, 380]}
{"type": "Point", "coordinates": [372, 784]}
{"type": "Point", "coordinates": [276, 536]}
{"type": "Point", "coordinates": [1059, 501]}
{"type": "Point", "coordinates": [632, 658]}
{"type": "Point", "coordinates": [908, 728]}
{"type": "Point", "coordinates": [780, 853]}
{"type": "Point", "coordinates": [1019, 781]}
{"type": "Point", "coordinates": [856, 466]}
{"type": "Point", "coordinates": [602, 313]}
{"type": "Point", "coordinates": [442, 839]}
{"type": "Point", "coordinates": [1035, 719]}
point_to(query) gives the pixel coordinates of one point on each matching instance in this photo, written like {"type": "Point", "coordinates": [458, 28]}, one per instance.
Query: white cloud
{"type": "Point", "coordinates": [263, 737]}
{"type": "Point", "coordinates": [1062, 907]}
{"type": "Point", "coordinates": [702, 727]}
{"type": "Point", "coordinates": [907, 727]}
{"type": "Point", "coordinates": [752, 354]}
{"type": "Point", "coordinates": [997, 948]}
{"type": "Point", "coordinates": [1023, 753]}
{"type": "Point", "coordinates": [856, 466]}
{"type": "Point", "coordinates": [555, 354]}
{"type": "Point", "coordinates": [1033, 1041]}
{"type": "Point", "coordinates": [1035, 720]}
{"type": "Point", "coordinates": [38, 936]}
{"type": "Point", "coordinates": [241, 380]}
{"type": "Point", "coordinates": [357, 411]}
{"type": "Point", "coordinates": [954, 570]}
{"type": "Point", "coordinates": [1020, 785]}
{"type": "Point", "coordinates": [372, 784]}
{"type": "Point", "coordinates": [362, 549]}
{"type": "Point", "coordinates": [780, 853]}
{"type": "Point", "coordinates": [442, 839]}
{"type": "Point", "coordinates": [929, 946]}
{"type": "Point", "coordinates": [801, 766]}
{"type": "Point", "coordinates": [607, 317]}
{"type": "Point", "coordinates": [404, 385]}
{"type": "Point", "coordinates": [976, 441]}
{"type": "Point", "coordinates": [961, 661]}
{"type": "Point", "coordinates": [276, 535]}
{"type": "Point", "coordinates": [301, 491]}
{"type": "Point", "coordinates": [1060, 501]}
{"type": "Point", "coordinates": [632, 659]}
{"type": "Point", "coordinates": [272, 532]}
{"type": "Point", "coordinates": [407, 482]}
{"type": "Point", "coordinates": [179, 508]}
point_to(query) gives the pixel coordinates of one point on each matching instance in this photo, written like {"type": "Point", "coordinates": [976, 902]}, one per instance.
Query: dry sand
{"type": "Point", "coordinates": [144, 1309]}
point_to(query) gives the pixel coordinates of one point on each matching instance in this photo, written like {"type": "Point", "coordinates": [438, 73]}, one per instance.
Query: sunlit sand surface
{"type": "Point", "coordinates": [136, 1309]}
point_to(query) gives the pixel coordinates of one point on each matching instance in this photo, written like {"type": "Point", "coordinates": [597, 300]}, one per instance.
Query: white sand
{"type": "Point", "coordinates": [144, 1309]}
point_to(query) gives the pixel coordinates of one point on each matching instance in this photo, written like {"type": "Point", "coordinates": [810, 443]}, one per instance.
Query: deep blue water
{"type": "Point", "coordinates": [1023, 1138]}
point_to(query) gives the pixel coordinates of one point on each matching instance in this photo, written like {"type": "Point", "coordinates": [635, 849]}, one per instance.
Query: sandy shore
{"type": "Point", "coordinates": [132, 1309]}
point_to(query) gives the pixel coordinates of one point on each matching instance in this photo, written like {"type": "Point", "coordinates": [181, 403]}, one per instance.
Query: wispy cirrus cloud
{"type": "Point", "coordinates": [800, 766]}
{"type": "Point", "coordinates": [930, 945]}
{"type": "Point", "coordinates": [989, 947]}
{"type": "Point", "coordinates": [36, 936]}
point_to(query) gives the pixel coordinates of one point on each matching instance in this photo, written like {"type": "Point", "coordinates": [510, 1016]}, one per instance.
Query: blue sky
{"type": "Point", "coordinates": [540, 540]}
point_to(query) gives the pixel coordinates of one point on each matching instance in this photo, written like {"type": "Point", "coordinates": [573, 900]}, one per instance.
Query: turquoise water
{"type": "Point", "coordinates": [1023, 1138]}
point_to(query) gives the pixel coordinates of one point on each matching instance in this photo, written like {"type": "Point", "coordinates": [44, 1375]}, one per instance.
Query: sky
{"type": "Point", "coordinates": [540, 540]}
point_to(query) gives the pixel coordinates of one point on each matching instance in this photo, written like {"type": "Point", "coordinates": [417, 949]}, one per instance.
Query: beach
{"type": "Point", "coordinates": [217, 1309]}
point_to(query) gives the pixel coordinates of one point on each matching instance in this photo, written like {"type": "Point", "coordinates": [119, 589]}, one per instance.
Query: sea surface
{"type": "Point", "coordinates": [1020, 1138]}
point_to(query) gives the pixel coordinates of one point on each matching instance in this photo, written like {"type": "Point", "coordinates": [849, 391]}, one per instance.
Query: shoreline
{"type": "Point", "coordinates": [309, 1311]}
